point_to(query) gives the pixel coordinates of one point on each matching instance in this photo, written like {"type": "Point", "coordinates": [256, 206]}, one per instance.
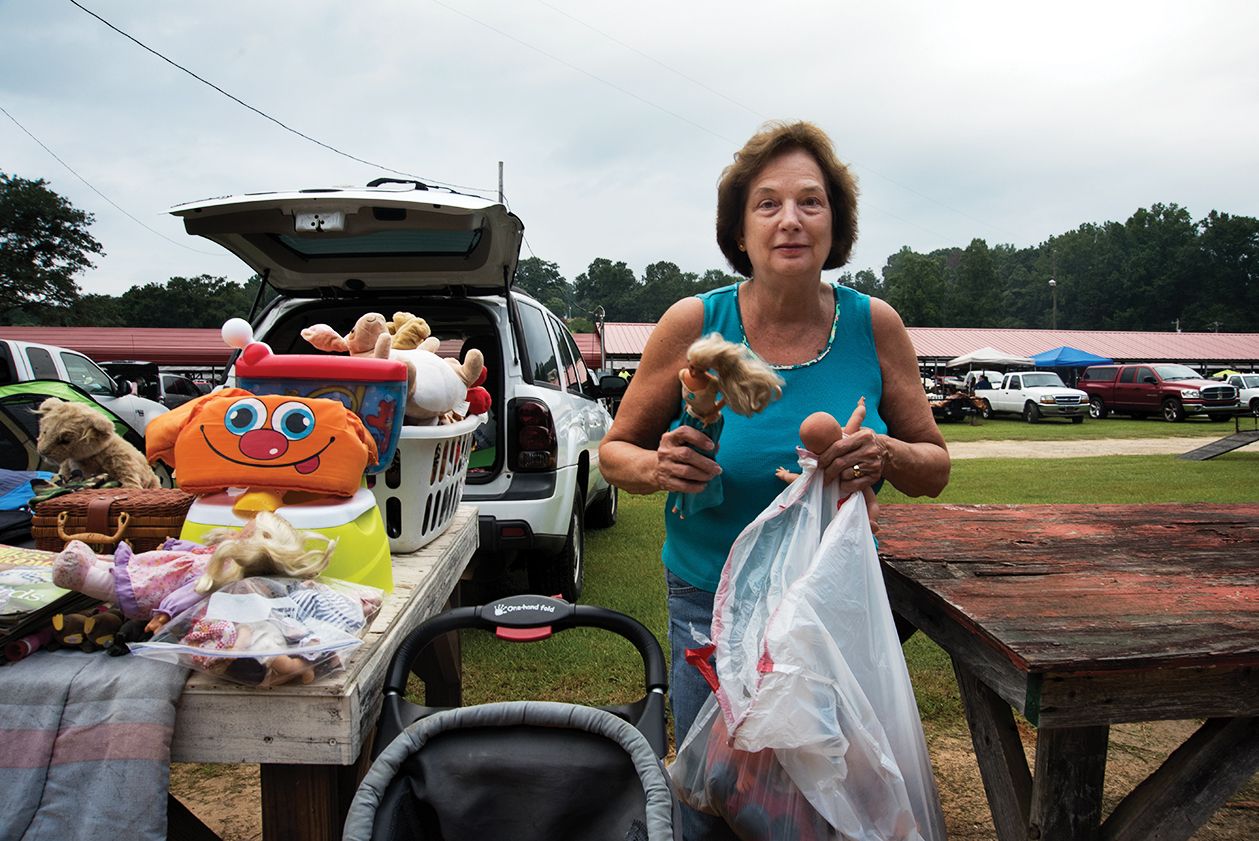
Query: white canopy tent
{"type": "Point", "coordinates": [989, 357]}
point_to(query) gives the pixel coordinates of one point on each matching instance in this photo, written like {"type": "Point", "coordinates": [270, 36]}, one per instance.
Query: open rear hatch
{"type": "Point", "coordinates": [387, 236]}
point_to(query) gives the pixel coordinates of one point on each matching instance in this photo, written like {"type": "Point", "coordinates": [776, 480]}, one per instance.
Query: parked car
{"type": "Point", "coordinates": [1033, 395]}
{"type": "Point", "coordinates": [332, 254]}
{"type": "Point", "coordinates": [1247, 386]}
{"type": "Point", "coordinates": [25, 361]}
{"type": "Point", "coordinates": [170, 390]}
{"type": "Point", "coordinates": [1175, 391]}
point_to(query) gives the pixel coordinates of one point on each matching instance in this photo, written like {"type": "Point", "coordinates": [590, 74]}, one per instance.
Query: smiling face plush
{"type": "Point", "coordinates": [233, 438]}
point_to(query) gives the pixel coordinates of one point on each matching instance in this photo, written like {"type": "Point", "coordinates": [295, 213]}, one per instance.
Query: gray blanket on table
{"type": "Point", "coordinates": [85, 746]}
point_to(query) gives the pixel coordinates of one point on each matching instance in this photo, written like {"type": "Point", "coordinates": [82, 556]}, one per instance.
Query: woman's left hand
{"type": "Point", "coordinates": [858, 458]}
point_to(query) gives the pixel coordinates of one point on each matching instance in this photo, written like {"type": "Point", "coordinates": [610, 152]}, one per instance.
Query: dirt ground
{"type": "Point", "coordinates": [1079, 449]}
{"type": "Point", "coordinates": [226, 797]}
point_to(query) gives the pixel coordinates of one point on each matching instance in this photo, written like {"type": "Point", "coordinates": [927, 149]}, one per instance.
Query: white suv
{"type": "Point", "coordinates": [330, 255]}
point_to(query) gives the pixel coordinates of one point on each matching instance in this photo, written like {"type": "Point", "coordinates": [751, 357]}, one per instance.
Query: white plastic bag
{"type": "Point", "coordinates": [268, 630]}
{"type": "Point", "coordinates": [812, 674]}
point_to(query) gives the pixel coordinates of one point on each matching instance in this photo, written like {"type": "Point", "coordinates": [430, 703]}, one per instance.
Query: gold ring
{"type": "Point", "coordinates": [856, 471]}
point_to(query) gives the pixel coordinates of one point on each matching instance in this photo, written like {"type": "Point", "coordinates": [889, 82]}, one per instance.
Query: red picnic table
{"type": "Point", "coordinates": [1079, 617]}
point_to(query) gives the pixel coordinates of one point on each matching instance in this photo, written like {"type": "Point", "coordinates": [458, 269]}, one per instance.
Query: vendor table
{"type": "Point", "coordinates": [1080, 617]}
{"type": "Point", "coordinates": [309, 739]}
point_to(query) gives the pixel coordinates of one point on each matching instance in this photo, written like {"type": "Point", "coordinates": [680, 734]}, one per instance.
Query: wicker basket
{"type": "Point", "coordinates": [144, 518]}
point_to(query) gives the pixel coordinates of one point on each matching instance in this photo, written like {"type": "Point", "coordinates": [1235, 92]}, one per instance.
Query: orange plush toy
{"type": "Point", "coordinates": [275, 443]}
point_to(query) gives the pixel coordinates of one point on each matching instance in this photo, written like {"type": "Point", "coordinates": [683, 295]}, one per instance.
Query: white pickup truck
{"type": "Point", "coordinates": [1035, 394]}
{"type": "Point", "coordinates": [1248, 388]}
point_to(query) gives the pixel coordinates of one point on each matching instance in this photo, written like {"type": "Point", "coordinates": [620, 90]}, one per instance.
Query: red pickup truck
{"type": "Point", "coordinates": [1175, 391]}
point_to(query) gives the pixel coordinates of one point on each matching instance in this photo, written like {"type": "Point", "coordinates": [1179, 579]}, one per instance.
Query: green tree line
{"type": "Point", "coordinates": [1159, 270]}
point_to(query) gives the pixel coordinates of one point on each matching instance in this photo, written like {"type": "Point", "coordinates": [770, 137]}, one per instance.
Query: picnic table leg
{"type": "Point", "coordinates": [440, 665]}
{"type": "Point", "coordinates": [302, 802]}
{"type": "Point", "coordinates": [1067, 786]}
{"type": "Point", "coordinates": [183, 823]}
{"type": "Point", "coordinates": [999, 752]}
{"type": "Point", "coordinates": [1173, 802]}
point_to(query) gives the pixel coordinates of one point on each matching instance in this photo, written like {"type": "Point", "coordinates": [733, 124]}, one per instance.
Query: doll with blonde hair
{"type": "Point", "coordinates": [157, 585]}
{"type": "Point", "coordinates": [720, 374]}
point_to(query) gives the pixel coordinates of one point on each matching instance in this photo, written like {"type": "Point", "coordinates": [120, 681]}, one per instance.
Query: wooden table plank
{"type": "Point", "coordinates": [326, 722]}
{"type": "Point", "coordinates": [1061, 588]}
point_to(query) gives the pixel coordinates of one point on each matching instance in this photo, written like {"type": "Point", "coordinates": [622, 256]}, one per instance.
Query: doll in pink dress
{"type": "Point", "coordinates": [154, 586]}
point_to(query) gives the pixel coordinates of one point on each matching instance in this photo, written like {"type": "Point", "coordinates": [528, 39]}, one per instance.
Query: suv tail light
{"type": "Point", "coordinates": [534, 445]}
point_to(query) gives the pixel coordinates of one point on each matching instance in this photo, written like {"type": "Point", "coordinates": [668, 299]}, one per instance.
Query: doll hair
{"type": "Point", "coordinates": [749, 385]}
{"type": "Point", "coordinates": [269, 545]}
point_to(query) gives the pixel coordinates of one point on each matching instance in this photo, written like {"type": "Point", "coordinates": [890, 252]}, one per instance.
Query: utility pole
{"type": "Point", "coordinates": [1053, 291]}
{"type": "Point", "coordinates": [600, 319]}
{"type": "Point", "coordinates": [500, 182]}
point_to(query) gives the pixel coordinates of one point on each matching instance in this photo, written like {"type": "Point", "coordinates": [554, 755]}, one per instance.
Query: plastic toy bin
{"type": "Point", "coordinates": [374, 389]}
{"type": "Point", "coordinates": [419, 492]}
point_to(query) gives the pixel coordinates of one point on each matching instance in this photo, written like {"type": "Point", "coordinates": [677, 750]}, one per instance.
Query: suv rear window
{"type": "Point", "coordinates": [1101, 375]}
{"type": "Point", "coordinates": [385, 244]}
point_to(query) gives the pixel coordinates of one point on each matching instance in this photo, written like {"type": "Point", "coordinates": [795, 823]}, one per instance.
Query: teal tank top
{"type": "Point", "coordinates": [750, 449]}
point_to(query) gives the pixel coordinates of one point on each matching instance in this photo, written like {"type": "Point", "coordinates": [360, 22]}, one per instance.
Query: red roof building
{"type": "Point", "coordinates": [624, 342]}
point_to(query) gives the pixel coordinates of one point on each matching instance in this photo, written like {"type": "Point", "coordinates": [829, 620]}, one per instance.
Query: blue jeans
{"type": "Point", "coordinates": [690, 607]}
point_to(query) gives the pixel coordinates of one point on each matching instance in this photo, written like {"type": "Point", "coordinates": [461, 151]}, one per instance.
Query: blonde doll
{"type": "Point", "coordinates": [157, 585]}
{"type": "Point", "coordinates": [720, 374]}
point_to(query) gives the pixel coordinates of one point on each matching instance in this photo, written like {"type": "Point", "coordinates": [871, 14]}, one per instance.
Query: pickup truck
{"type": "Point", "coordinates": [1034, 394]}
{"type": "Point", "coordinates": [1248, 385]}
{"type": "Point", "coordinates": [25, 361]}
{"type": "Point", "coordinates": [1175, 391]}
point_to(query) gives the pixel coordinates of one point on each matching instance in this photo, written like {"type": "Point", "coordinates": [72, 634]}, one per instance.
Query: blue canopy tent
{"type": "Point", "coordinates": [1067, 357]}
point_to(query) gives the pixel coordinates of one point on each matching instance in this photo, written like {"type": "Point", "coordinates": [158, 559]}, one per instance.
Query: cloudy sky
{"type": "Point", "coordinates": [1006, 121]}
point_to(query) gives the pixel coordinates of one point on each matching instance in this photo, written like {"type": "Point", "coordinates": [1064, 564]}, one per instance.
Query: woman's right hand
{"type": "Point", "coordinates": [680, 463]}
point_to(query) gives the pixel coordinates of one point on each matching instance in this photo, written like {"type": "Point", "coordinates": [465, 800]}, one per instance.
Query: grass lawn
{"type": "Point", "coordinates": [624, 572]}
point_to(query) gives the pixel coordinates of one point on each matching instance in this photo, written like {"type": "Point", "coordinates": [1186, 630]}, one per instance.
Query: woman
{"type": "Point", "coordinates": [786, 210]}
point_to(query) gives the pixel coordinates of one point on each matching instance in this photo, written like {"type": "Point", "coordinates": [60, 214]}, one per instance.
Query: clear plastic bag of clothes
{"type": "Point", "coordinates": [813, 731]}
{"type": "Point", "coordinates": [268, 630]}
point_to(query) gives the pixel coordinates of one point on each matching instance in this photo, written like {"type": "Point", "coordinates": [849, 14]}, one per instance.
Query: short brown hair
{"type": "Point", "coordinates": [772, 140]}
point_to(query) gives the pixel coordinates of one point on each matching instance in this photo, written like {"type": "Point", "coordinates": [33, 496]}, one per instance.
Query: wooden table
{"type": "Point", "coordinates": [309, 740]}
{"type": "Point", "coordinates": [1080, 616]}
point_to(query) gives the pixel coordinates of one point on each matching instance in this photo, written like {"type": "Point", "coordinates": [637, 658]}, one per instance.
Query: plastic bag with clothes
{"type": "Point", "coordinates": [813, 732]}
{"type": "Point", "coordinates": [269, 630]}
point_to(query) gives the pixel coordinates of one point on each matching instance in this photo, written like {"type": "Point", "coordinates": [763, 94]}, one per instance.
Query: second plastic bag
{"type": "Point", "coordinates": [814, 729]}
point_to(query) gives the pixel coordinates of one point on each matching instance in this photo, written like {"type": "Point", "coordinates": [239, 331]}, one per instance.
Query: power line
{"type": "Point", "coordinates": [102, 195]}
{"type": "Point", "coordinates": [267, 116]}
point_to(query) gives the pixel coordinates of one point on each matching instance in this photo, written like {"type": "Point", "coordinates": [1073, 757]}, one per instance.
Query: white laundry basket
{"type": "Point", "coordinates": [419, 492]}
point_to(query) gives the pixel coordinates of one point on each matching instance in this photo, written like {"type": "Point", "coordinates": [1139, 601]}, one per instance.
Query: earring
{"type": "Point", "coordinates": [742, 247]}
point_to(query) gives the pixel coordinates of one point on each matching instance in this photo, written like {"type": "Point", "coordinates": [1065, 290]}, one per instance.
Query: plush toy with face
{"type": "Point", "coordinates": [235, 439]}
{"type": "Point", "coordinates": [435, 386]}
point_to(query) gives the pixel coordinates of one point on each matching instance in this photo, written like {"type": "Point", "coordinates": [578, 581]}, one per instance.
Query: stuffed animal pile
{"type": "Point", "coordinates": [437, 388]}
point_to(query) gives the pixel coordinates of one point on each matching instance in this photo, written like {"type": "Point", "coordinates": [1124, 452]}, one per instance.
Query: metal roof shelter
{"type": "Point", "coordinates": [936, 345]}
{"type": "Point", "coordinates": [171, 347]}
{"type": "Point", "coordinates": [624, 343]}
{"type": "Point", "coordinates": [181, 347]}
